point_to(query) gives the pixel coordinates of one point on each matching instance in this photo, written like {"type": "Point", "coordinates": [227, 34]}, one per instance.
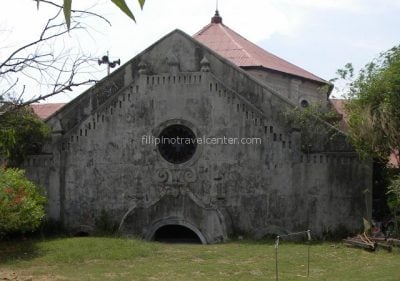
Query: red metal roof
{"type": "Point", "coordinates": [44, 110]}
{"type": "Point", "coordinates": [242, 52]}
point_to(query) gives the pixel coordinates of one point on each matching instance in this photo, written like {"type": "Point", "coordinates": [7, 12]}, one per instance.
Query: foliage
{"type": "Point", "coordinates": [104, 224]}
{"type": "Point", "coordinates": [121, 4]}
{"type": "Point", "coordinates": [315, 122]}
{"type": "Point", "coordinates": [394, 191]}
{"type": "Point", "coordinates": [394, 201]}
{"type": "Point", "coordinates": [381, 180]}
{"type": "Point", "coordinates": [374, 113]}
{"type": "Point", "coordinates": [374, 105]}
{"type": "Point", "coordinates": [21, 204]}
{"type": "Point", "coordinates": [21, 133]}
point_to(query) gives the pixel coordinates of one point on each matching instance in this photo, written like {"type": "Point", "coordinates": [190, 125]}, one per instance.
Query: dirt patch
{"type": "Point", "coordinates": [10, 275]}
{"type": "Point", "coordinates": [13, 276]}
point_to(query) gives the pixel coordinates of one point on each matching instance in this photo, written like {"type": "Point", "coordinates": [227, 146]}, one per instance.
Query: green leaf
{"type": "Point", "coordinates": [141, 3]}
{"type": "Point", "coordinates": [67, 12]}
{"type": "Point", "coordinates": [122, 5]}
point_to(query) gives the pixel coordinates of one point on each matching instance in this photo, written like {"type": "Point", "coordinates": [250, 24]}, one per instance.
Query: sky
{"type": "Point", "coordinates": [317, 35]}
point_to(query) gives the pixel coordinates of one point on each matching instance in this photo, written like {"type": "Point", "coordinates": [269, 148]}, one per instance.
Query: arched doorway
{"type": "Point", "coordinates": [175, 233]}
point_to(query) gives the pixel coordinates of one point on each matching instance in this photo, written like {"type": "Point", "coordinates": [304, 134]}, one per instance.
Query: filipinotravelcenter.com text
{"type": "Point", "coordinates": [151, 140]}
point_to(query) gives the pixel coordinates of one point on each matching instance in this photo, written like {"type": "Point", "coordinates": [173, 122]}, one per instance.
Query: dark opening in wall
{"type": "Point", "coordinates": [304, 103]}
{"type": "Point", "coordinates": [177, 144]}
{"type": "Point", "coordinates": [176, 234]}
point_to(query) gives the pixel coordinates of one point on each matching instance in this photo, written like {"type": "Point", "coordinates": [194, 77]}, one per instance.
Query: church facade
{"type": "Point", "coordinates": [240, 168]}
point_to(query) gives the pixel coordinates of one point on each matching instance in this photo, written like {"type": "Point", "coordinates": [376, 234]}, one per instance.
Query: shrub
{"type": "Point", "coordinates": [21, 204]}
{"type": "Point", "coordinates": [394, 202]}
{"type": "Point", "coordinates": [105, 225]}
{"type": "Point", "coordinates": [22, 133]}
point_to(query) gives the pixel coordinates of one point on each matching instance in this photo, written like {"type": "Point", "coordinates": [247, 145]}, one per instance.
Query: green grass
{"type": "Point", "coordinates": [93, 258]}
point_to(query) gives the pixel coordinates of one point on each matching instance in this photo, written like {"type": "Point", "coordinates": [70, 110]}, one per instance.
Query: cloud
{"type": "Point", "coordinates": [308, 23]}
{"type": "Point", "coordinates": [329, 4]}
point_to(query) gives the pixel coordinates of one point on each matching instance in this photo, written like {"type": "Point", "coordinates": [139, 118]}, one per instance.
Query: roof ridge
{"type": "Point", "coordinates": [235, 42]}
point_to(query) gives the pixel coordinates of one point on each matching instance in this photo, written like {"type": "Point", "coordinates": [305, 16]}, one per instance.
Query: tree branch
{"type": "Point", "coordinates": [76, 11]}
{"type": "Point", "coordinates": [39, 62]}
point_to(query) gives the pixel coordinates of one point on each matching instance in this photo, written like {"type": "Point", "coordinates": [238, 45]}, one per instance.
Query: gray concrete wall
{"type": "Point", "coordinates": [99, 161]}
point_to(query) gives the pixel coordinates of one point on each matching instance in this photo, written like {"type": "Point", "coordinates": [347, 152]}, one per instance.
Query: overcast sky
{"type": "Point", "coordinates": [318, 35]}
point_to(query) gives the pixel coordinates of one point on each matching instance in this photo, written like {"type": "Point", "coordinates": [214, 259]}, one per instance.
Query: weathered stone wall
{"type": "Point", "coordinates": [273, 187]}
{"type": "Point", "coordinates": [45, 171]}
{"type": "Point", "coordinates": [293, 88]}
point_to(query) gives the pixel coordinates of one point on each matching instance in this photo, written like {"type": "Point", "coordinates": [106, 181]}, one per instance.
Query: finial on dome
{"type": "Point", "coordinates": [216, 18]}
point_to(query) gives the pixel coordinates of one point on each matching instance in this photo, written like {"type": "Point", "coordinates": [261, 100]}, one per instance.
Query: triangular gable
{"type": "Point", "coordinates": [266, 101]}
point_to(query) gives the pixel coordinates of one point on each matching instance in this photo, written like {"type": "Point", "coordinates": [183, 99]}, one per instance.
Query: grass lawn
{"type": "Point", "coordinates": [97, 258]}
